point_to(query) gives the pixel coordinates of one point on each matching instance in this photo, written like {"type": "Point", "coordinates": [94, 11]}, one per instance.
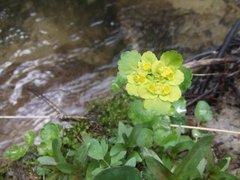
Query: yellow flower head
{"type": "Point", "coordinates": [139, 78]}
{"type": "Point", "coordinates": [166, 72]}
{"type": "Point", "coordinates": [152, 88]}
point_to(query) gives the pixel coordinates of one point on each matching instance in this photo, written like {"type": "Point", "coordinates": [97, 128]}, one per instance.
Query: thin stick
{"type": "Point", "coordinates": [209, 74]}
{"type": "Point", "coordinates": [208, 62]}
{"type": "Point", "coordinates": [24, 117]}
{"type": "Point", "coordinates": [205, 129]}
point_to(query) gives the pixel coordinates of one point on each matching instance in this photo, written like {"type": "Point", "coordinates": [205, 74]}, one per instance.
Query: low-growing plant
{"type": "Point", "coordinates": [145, 146]}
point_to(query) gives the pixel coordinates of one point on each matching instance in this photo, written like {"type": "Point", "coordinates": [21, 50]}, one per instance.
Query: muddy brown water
{"type": "Point", "coordinates": [69, 49]}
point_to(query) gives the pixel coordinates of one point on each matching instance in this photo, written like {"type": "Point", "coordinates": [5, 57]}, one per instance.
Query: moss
{"type": "Point", "coordinates": [102, 117]}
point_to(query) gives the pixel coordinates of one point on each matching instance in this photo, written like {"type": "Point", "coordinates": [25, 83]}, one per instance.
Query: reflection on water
{"type": "Point", "coordinates": [68, 49]}
{"type": "Point", "coordinates": [63, 48]}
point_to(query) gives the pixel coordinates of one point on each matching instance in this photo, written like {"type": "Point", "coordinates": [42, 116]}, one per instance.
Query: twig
{"type": "Point", "coordinates": [24, 117]}
{"type": "Point", "coordinates": [205, 129]}
{"type": "Point", "coordinates": [208, 62]}
{"type": "Point", "coordinates": [209, 74]}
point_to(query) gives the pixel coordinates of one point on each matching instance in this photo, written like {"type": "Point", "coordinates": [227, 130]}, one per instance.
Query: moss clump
{"type": "Point", "coordinates": [102, 118]}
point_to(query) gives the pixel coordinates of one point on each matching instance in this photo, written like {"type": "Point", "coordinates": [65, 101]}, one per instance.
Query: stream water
{"type": "Point", "coordinates": [68, 49]}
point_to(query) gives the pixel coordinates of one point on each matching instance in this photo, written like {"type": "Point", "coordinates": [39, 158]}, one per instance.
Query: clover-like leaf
{"type": "Point", "coordinates": [171, 58]}
{"type": "Point", "coordinates": [128, 62]}
{"type": "Point", "coordinates": [96, 150]}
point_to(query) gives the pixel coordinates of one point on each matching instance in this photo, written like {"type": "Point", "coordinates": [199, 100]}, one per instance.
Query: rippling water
{"type": "Point", "coordinates": [68, 49]}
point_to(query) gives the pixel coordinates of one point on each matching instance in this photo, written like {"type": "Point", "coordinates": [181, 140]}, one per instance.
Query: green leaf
{"type": "Point", "coordinates": [128, 62]}
{"type": "Point", "coordinates": [166, 138]}
{"type": "Point", "coordinates": [224, 163]}
{"type": "Point", "coordinates": [138, 114]}
{"type": "Point", "coordinates": [201, 166]}
{"type": "Point", "coordinates": [115, 160]}
{"type": "Point", "coordinates": [151, 153]}
{"type": "Point", "coordinates": [131, 162]}
{"type": "Point", "coordinates": [132, 141]}
{"type": "Point", "coordinates": [145, 138]}
{"type": "Point", "coordinates": [223, 176]}
{"type": "Point", "coordinates": [135, 154]}
{"type": "Point", "coordinates": [171, 58]}
{"type": "Point", "coordinates": [92, 165]}
{"type": "Point", "coordinates": [179, 107]}
{"type": "Point", "coordinates": [203, 112]}
{"type": "Point", "coordinates": [118, 82]}
{"type": "Point", "coordinates": [157, 170]}
{"type": "Point", "coordinates": [182, 146]}
{"type": "Point", "coordinates": [81, 154]}
{"type": "Point", "coordinates": [29, 138]}
{"type": "Point", "coordinates": [119, 173]}
{"type": "Point", "coordinates": [96, 150]}
{"type": "Point", "coordinates": [47, 160]}
{"type": "Point", "coordinates": [104, 146]}
{"type": "Point", "coordinates": [57, 153]}
{"type": "Point", "coordinates": [123, 130]}
{"type": "Point", "coordinates": [116, 149]}
{"type": "Point", "coordinates": [15, 152]}
{"type": "Point", "coordinates": [189, 164]}
{"type": "Point", "coordinates": [187, 78]}
{"type": "Point", "coordinates": [49, 132]}
{"type": "Point", "coordinates": [66, 168]}
{"type": "Point", "coordinates": [157, 105]}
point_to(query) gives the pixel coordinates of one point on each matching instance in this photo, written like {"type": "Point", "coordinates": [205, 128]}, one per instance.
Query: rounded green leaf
{"type": "Point", "coordinates": [49, 132]}
{"type": "Point", "coordinates": [162, 107]}
{"type": "Point", "coordinates": [15, 152]}
{"type": "Point", "coordinates": [203, 112]}
{"type": "Point", "coordinates": [138, 114]}
{"type": "Point", "coordinates": [180, 107]}
{"type": "Point", "coordinates": [29, 138]}
{"type": "Point", "coordinates": [128, 62]}
{"type": "Point", "coordinates": [171, 58]}
{"type": "Point", "coordinates": [47, 160]}
{"type": "Point", "coordinates": [187, 78]}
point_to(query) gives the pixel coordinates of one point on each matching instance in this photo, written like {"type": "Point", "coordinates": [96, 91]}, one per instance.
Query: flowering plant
{"type": "Point", "coordinates": [159, 83]}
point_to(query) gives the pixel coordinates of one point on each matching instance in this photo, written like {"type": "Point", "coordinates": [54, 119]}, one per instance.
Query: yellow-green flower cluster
{"type": "Point", "coordinates": [156, 81]}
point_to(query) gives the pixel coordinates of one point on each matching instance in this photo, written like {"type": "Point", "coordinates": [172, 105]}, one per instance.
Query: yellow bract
{"type": "Point", "coordinates": [145, 66]}
{"type": "Point", "coordinates": [152, 88]}
{"type": "Point", "coordinates": [166, 72]}
{"type": "Point", "coordinates": [138, 78]}
{"type": "Point", "coordinates": [155, 79]}
{"type": "Point", "coordinates": [165, 89]}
